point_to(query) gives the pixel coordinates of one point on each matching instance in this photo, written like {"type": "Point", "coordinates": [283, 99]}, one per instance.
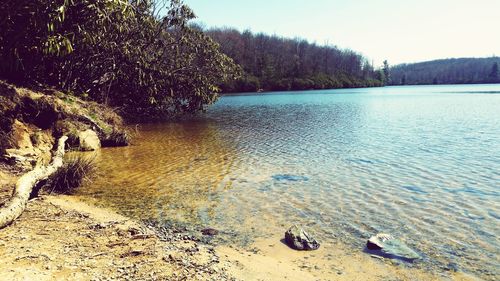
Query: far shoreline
{"type": "Point", "coordinates": [263, 93]}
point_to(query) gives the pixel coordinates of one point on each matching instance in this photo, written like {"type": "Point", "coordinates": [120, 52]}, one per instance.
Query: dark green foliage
{"type": "Point", "coordinates": [71, 175]}
{"type": "Point", "coordinates": [8, 109]}
{"type": "Point", "coordinates": [40, 112]}
{"type": "Point", "coordinates": [5, 141]}
{"type": "Point", "coordinates": [276, 63]}
{"type": "Point", "coordinates": [447, 71]}
{"type": "Point", "coordinates": [8, 106]}
{"type": "Point", "coordinates": [494, 71]}
{"type": "Point", "coordinates": [387, 72]}
{"type": "Point", "coordinates": [115, 52]}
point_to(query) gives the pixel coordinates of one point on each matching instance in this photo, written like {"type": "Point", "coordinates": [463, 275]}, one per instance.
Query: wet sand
{"type": "Point", "coordinates": [270, 259]}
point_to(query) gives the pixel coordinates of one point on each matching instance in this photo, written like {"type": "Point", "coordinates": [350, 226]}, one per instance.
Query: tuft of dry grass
{"type": "Point", "coordinates": [110, 116]}
{"type": "Point", "coordinates": [116, 138]}
{"type": "Point", "coordinates": [71, 175]}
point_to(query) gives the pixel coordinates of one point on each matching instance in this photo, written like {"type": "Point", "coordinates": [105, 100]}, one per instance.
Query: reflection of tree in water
{"type": "Point", "coordinates": [172, 172]}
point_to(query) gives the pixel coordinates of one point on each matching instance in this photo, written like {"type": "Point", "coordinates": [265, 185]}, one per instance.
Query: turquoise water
{"type": "Point", "coordinates": [422, 163]}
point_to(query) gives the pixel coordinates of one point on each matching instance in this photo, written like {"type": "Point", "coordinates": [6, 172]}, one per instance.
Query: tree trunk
{"type": "Point", "coordinates": [15, 206]}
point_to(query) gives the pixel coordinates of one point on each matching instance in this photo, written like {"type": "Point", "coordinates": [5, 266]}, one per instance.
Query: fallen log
{"type": "Point", "coordinates": [15, 206]}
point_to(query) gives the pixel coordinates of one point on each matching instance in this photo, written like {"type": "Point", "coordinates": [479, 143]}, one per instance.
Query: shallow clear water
{"type": "Point", "coordinates": [420, 162]}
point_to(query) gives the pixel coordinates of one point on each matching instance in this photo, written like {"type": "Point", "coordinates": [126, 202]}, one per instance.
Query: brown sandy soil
{"type": "Point", "coordinates": [61, 238]}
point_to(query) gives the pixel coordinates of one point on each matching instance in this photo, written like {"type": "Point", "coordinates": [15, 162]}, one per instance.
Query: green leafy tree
{"type": "Point", "coordinates": [494, 71]}
{"type": "Point", "coordinates": [278, 63]}
{"type": "Point", "coordinates": [380, 75]}
{"type": "Point", "coordinates": [387, 73]}
{"type": "Point", "coordinates": [448, 71]}
{"type": "Point", "coordinates": [115, 52]}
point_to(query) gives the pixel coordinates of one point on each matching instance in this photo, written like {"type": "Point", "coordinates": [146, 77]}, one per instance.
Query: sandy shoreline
{"type": "Point", "coordinates": [270, 259]}
{"type": "Point", "coordinates": [62, 238]}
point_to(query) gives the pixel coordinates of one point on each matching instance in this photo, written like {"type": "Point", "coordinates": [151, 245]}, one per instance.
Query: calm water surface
{"type": "Point", "coordinates": [421, 162]}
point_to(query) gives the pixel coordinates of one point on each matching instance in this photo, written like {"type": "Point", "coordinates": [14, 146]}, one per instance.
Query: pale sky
{"type": "Point", "coordinates": [396, 30]}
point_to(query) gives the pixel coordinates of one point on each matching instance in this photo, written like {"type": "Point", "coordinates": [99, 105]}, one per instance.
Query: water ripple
{"type": "Point", "coordinates": [408, 161]}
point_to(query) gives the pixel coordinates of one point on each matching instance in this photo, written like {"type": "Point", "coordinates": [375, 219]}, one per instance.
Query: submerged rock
{"type": "Point", "coordinates": [288, 177]}
{"type": "Point", "coordinates": [209, 231]}
{"type": "Point", "coordinates": [377, 242]}
{"type": "Point", "coordinates": [298, 239]}
{"type": "Point", "coordinates": [89, 141]}
{"type": "Point", "coordinates": [391, 246]}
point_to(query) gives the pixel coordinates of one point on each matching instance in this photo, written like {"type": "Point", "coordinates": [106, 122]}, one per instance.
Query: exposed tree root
{"type": "Point", "coordinates": [15, 206]}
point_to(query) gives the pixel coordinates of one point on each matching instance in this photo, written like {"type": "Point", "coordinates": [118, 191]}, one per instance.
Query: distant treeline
{"type": "Point", "coordinates": [447, 71]}
{"type": "Point", "coordinates": [273, 63]}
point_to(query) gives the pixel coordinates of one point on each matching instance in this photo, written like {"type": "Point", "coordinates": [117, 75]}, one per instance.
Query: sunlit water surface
{"type": "Point", "coordinates": [421, 162]}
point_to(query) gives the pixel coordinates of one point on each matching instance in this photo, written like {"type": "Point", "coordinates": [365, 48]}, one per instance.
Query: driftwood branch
{"type": "Point", "coordinates": [15, 206]}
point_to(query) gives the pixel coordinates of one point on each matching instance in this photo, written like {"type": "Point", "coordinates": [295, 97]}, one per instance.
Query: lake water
{"type": "Point", "coordinates": [422, 163]}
